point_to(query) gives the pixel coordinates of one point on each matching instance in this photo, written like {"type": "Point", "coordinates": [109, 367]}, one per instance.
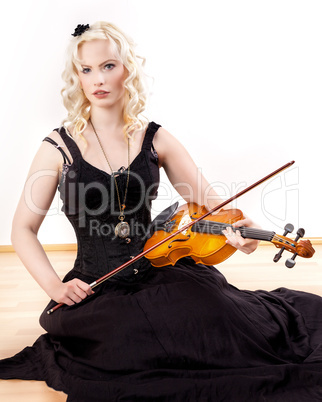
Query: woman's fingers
{"type": "Point", "coordinates": [80, 290]}
{"type": "Point", "coordinates": [73, 292]}
{"type": "Point", "coordinates": [235, 239]}
{"type": "Point", "coordinates": [243, 222]}
{"type": "Point", "coordinates": [85, 287]}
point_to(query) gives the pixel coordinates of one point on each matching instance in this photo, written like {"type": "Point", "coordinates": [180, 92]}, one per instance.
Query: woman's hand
{"type": "Point", "coordinates": [235, 239]}
{"type": "Point", "coordinates": [70, 292]}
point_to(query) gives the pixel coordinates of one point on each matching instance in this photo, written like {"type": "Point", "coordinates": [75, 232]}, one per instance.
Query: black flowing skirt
{"type": "Point", "coordinates": [179, 333]}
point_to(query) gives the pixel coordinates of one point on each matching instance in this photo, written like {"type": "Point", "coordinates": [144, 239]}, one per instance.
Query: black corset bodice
{"type": "Point", "coordinates": [91, 204]}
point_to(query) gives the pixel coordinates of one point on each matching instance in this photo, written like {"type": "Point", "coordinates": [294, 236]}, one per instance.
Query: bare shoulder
{"type": "Point", "coordinates": [48, 157]}
{"type": "Point", "coordinates": [162, 135]}
{"type": "Point", "coordinates": [167, 145]}
{"type": "Point", "coordinates": [52, 151]}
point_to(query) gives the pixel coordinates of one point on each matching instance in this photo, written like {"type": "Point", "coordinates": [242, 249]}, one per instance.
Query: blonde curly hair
{"type": "Point", "coordinates": [77, 104]}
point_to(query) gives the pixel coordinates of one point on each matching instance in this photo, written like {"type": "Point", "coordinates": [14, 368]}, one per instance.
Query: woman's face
{"type": "Point", "coordinates": [102, 74]}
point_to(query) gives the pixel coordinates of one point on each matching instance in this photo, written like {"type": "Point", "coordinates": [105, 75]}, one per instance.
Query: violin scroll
{"type": "Point", "coordinates": [303, 248]}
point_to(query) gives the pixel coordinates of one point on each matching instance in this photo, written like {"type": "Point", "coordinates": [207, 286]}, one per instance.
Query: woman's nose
{"type": "Point", "coordinates": [99, 79]}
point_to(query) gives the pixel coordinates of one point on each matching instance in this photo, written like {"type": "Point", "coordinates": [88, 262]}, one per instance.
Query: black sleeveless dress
{"type": "Point", "coordinates": [177, 333]}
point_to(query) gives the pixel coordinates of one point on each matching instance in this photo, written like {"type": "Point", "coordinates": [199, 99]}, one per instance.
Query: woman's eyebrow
{"type": "Point", "coordinates": [104, 62]}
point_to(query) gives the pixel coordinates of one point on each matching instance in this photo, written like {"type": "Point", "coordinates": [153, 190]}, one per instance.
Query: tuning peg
{"type": "Point", "coordinates": [290, 261]}
{"type": "Point", "coordinates": [300, 233]}
{"type": "Point", "coordinates": [287, 229]}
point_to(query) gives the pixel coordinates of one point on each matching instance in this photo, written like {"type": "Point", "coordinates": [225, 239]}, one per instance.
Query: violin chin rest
{"type": "Point", "coordinates": [163, 217]}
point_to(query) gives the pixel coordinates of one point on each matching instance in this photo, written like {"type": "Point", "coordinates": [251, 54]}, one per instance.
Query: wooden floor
{"type": "Point", "coordinates": [21, 302]}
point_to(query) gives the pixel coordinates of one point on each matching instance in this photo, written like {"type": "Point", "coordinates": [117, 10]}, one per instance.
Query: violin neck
{"type": "Point", "coordinates": [216, 228]}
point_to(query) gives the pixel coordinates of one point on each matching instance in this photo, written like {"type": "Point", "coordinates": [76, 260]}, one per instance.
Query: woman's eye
{"type": "Point", "coordinates": [109, 66]}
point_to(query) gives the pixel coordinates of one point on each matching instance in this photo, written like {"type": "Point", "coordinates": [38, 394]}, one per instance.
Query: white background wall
{"type": "Point", "coordinates": [237, 81]}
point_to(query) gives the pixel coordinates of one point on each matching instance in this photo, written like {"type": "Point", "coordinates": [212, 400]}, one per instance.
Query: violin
{"type": "Point", "coordinates": [204, 250]}
{"type": "Point", "coordinates": [204, 241]}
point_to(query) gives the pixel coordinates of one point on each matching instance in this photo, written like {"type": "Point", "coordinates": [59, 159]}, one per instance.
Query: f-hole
{"type": "Point", "coordinates": [170, 244]}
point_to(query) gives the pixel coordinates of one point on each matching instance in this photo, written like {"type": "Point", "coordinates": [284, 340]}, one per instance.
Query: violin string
{"type": "Point", "coordinates": [251, 231]}
{"type": "Point", "coordinates": [222, 225]}
{"type": "Point", "coordinates": [208, 225]}
{"type": "Point", "coordinates": [279, 238]}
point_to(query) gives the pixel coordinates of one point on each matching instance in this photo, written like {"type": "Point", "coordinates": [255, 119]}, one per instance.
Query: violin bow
{"type": "Point", "coordinates": [188, 225]}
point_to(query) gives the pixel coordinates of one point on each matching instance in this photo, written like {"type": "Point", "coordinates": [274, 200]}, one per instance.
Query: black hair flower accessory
{"type": "Point", "coordinates": [80, 29]}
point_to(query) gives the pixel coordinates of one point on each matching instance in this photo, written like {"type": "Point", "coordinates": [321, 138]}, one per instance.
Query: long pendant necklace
{"type": "Point", "coordinates": [122, 229]}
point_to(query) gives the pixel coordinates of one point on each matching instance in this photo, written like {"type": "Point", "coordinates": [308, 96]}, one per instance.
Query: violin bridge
{"type": "Point", "coordinates": [184, 221]}
{"type": "Point", "coordinates": [169, 225]}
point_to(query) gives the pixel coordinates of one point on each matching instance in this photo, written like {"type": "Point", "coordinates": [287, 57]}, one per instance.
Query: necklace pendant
{"type": "Point", "coordinates": [122, 230]}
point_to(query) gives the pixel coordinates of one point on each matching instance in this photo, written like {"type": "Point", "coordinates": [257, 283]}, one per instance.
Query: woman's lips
{"type": "Point", "coordinates": [100, 94]}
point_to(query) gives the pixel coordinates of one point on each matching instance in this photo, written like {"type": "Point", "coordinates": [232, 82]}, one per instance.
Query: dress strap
{"type": "Point", "coordinates": [150, 132]}
{"type": "Point", "coordinates": [59, 147]}
{"type": "Point", "coordinates": [70, 143]}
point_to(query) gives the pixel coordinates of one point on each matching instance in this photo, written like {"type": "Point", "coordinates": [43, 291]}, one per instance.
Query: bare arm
{"type": "Point", "coordinates": [182, 171]}
{"type": "Point", "coordinates": [192, 185]}
{"type": "Point", "coordinates": [36, 198]}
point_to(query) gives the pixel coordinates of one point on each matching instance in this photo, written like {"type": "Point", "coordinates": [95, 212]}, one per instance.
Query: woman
{"type": "Point", "coordinates": [166, 334]}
